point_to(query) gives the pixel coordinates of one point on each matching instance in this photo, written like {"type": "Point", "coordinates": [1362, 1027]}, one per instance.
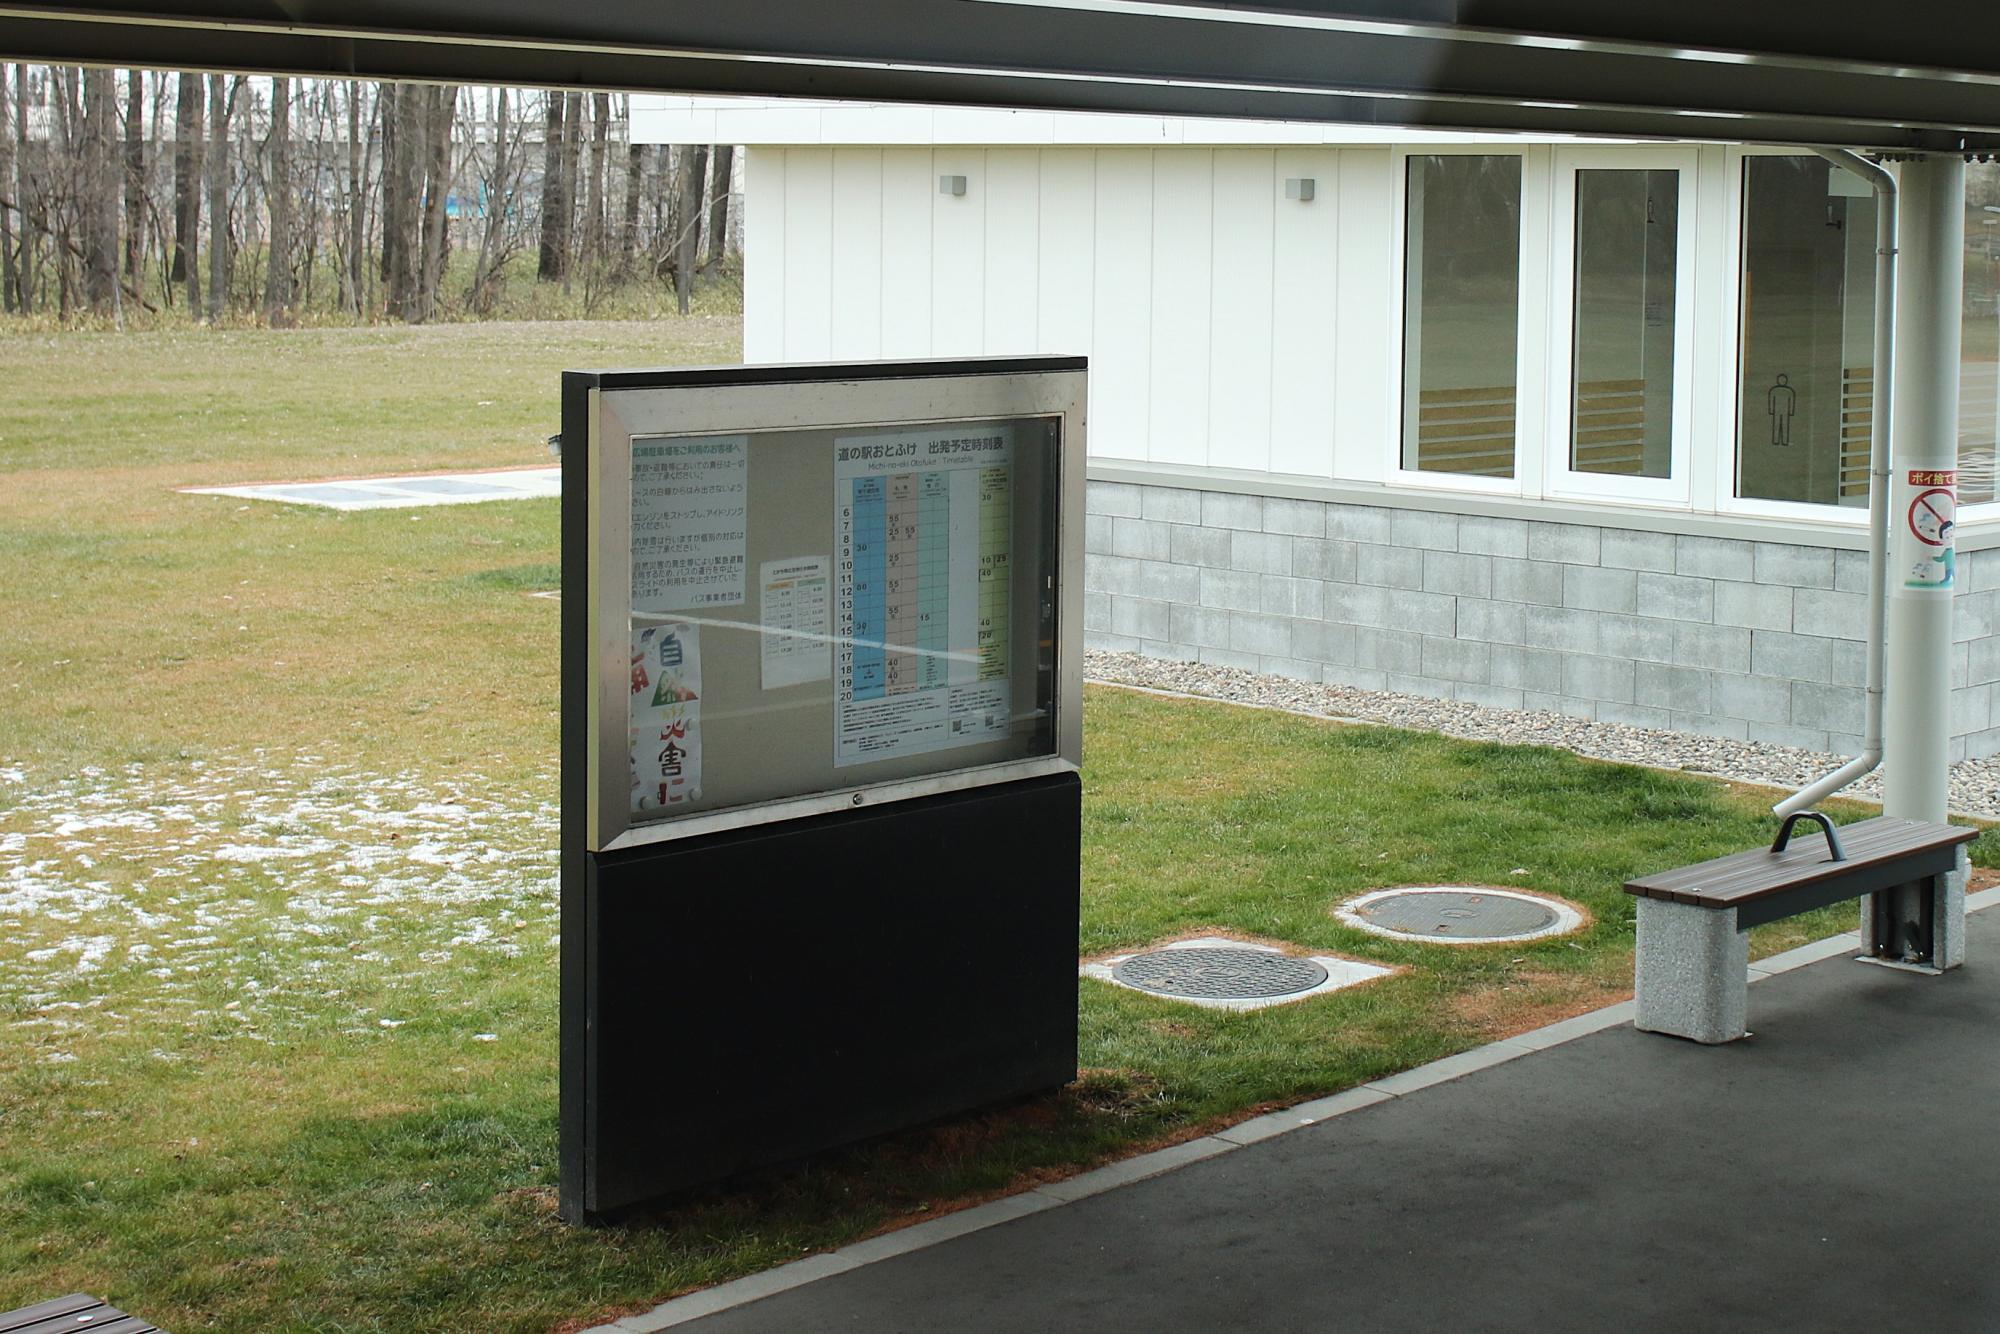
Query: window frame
{"type": "Point", "coordinates": [1728, 419]}
{"type": "Point", "coordinates": [1563, 482]}
{"type": "Point", "coordinates": [1529, 328]}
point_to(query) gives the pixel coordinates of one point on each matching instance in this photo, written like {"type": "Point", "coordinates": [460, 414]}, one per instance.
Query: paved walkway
{"type": "Point", "coordinates": [402, 492]}
{"type": "Point", "coordinates": [1836, 1171]}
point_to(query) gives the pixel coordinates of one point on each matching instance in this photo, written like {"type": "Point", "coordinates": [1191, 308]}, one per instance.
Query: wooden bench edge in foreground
{"type": "Point", "coordinates": [1690, 969]}
{"type": "Point", "coordinates": [78, 1313]}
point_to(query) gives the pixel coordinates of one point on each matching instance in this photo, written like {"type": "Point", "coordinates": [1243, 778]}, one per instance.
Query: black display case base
{"type": "Point", "coordinates": [748, 998]}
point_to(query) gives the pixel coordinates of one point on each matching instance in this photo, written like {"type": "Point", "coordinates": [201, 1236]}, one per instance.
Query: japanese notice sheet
{"type": "Point", "coordinates": [666, 716]}
{"type": "Point", "coordinates": [689, 522]}
{"type": "Point", "coordinates": [794, 597]}
{"type": "Point", "coordinates": [923, 527]}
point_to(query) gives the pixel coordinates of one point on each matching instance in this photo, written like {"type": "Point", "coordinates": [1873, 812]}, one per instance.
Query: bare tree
{"type": "Point", "coordinates": [11, 297]}
{"type": "Point", "coordinates": [596, 233]}
{"type": "Point", "coordinates": [135, 173]}
{"type": "Point", "coordinates": [635, 192]}
{"type": "Point", "coordinates": [221, 104]}
{"type": "Point", "coordinates": [572, 159]}
{"type": "Point", "coordinates": [688, 240]}
{"type": "Point", "coordinates": [555, 207]}
{"type": "Point", "coordinates": [278, 204]}
{"type": "Point", "coordinates": [355, 204]}
{"type": "Point", "coordinates": [500, 236]}
{"type": "Point", "coordinates": [27, 262]}
{"type": "Point", "coordinates": [389, 99]}
{"type": "Point", "coordinates": [718, 209]}
{"type": "Point", "coordinates": [188, 118]}
{"type": "Point", "coordinates": [98, 195]}
{"type": "Point", "coordinates": [441, 107]}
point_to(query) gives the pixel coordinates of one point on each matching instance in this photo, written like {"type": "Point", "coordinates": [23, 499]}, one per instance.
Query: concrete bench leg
{"type": "Point", "coordinates": [1691, 974]}
{"type": "Point", "coordinates": [1947, 893]}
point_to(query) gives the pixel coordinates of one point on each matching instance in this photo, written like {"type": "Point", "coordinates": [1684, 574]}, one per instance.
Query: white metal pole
{"type": "Point", "coordinates": [1922, 505]}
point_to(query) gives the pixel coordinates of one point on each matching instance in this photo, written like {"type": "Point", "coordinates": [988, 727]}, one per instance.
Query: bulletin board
{"type": "Point", "coordinates": [811, 594]}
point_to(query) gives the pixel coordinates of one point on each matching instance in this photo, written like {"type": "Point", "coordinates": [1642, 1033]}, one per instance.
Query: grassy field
{"type": "Point", "coordinates": [277, 895]}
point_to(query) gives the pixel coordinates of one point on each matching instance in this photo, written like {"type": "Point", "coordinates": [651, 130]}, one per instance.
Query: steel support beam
{"type": "Point", "coordinates": [1930, 281]}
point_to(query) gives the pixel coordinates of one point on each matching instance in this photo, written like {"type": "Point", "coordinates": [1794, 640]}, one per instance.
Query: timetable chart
{"type": "Point", "coordinates": [924, 534]}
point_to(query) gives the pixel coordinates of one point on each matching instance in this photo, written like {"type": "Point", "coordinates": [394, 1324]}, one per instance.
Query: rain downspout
{"type": "Point", "coordinates": [1878, 479]}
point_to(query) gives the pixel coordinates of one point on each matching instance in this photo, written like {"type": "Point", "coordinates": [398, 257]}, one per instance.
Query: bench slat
{"type": "Point", "coordinates": [78, 1313]}
{"type": "Point", "coordinates": [11, 1321]}
{"type": "Point", "coordinates": [1746, 871]}
{"type": "Point", "coordinates": [1746, 877]}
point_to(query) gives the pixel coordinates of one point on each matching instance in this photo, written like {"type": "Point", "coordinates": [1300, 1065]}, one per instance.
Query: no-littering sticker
{"type": "Point", "coordinates": [1932, 517]}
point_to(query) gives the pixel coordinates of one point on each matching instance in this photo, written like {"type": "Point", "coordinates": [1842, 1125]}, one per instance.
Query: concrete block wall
{"type": "Point", "coordinates": [1755, 640]}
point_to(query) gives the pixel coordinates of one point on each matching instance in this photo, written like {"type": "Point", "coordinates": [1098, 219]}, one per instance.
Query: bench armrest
{"type": "Point", "coordinates": [1826, 827]}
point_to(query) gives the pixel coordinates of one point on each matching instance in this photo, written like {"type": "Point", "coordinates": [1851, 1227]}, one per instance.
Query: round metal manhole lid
{"type": "Point", "coordinates": [1212, 972]}
{"type": "Point", "coordinates": [1452, 913]}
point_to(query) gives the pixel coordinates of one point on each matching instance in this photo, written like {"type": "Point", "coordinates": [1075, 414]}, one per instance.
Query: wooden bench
{"type": "Point", "coordinates": [79, 1312]}
{"type": "Point", "coordinates": [1690, 973]}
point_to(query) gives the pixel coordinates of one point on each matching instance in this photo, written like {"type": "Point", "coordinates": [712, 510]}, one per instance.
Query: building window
{"type": "Point", "coordinates": [1623, 322]}
{"type": "Point", "coordinates": [1461, 314]}
{"type": "Point", "coordinates": [1807, 379]}
{"type": "Point", "coordinates": [1979, 356]}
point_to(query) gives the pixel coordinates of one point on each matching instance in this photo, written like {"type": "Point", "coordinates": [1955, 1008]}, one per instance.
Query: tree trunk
{"type": "Point", "coordinates": [99, 194]}
{"type": "Point", "coordinates": [135, 173]}
{"type": "Point", "coordinates": [388, 100]}
{"type": "Point", "coordinates": [442, 108]}
{"type": "Point", "coordinates": [635, 190]}
{"type": "Point", "coordinates": [694, 178]}
{"type": "Point", "coordinates": [221, 101]}
{"type": "Point", "coordinates": [189, 118]}
{"type": "Point", "coordinates": [718, 209]}
{"type": "Point", "coordinates": [278, 207]}
{"type": "Point", "coordinates": [571, 168]}
{"type": "Point", "coordinates": [187, 175]}
{"type": "Point", "coordinates": [596, 235]}
{"type": "Point", "coordinates": [554, 209]}
{"type": "Point", "coordinates": [357, 207]}
{"type": "Point", "coordinates": [409, 171]}
{"type": "Point", "coordinates": [28, 262]}
{"type": "Point", "coordinates": [10, 281]}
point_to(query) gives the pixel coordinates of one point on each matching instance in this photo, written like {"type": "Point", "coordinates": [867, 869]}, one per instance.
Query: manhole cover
{"type": "Point", "coordinates": [1216, 973]}
{"type": "Point", "coordinates": [1451, 913]}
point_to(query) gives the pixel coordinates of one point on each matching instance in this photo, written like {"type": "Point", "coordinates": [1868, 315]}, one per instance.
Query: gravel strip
{"type": "Point", "coordinates": [1975, 784]}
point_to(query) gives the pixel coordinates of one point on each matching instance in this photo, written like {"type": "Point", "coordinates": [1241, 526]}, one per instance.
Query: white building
{"type": "Point", "coordinates": [1569, 424]}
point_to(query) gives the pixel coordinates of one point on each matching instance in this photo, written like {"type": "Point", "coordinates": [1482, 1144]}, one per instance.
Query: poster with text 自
{"type": "Point", "coordinates": [665, 716]}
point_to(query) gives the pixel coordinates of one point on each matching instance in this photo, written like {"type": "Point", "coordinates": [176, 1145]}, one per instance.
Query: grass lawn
{"type": "Point", "coordinates": [277, 865]}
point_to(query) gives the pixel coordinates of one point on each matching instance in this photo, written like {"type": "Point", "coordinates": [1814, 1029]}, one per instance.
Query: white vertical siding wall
{"type": "Point", "coordinates": [1242, 289]}
{"type": "Point", "coordinates": [907, 191]}
{"type": "Point", "coordinates": [856, 281]}
{"type": "Point", "coordinates": [1204, 298]}
{"type": "Point", "coordinates": [1121, 364]}
{"type": "Point", "coordinates": [809, 251]}
{"type": "Point", "coordinates": [764, 237]}
{"type": "Point", "coordinates": [1013, 250]}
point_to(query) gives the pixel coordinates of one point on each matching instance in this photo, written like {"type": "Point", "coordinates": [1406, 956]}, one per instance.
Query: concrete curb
{"type": "Point", "coordinates": [921, 1236]}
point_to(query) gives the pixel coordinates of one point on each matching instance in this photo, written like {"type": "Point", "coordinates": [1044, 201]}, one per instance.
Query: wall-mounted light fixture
{"type": "Point", "coordinates": [1299, 188]}
{"type": "Point", "coordinates": [951, 185]}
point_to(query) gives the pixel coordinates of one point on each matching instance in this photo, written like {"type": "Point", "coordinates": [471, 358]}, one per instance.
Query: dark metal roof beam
{"type": "Point", "coordinates": [1159, 56]}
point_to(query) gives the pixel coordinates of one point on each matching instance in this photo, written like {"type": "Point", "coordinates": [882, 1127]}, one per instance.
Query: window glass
{"type": "Point", "coordinates": [1627, 246]}
{"type": "Point", "coordinates": [1807, 378]}
{"type": "Point", "coordinates": [1462, 312]}
{"type": "Point", "coordinates": [1979, 365]}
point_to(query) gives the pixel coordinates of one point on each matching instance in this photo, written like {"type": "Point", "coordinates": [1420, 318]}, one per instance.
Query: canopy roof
{"type": "Point", "coordinates": [1919, 75]}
